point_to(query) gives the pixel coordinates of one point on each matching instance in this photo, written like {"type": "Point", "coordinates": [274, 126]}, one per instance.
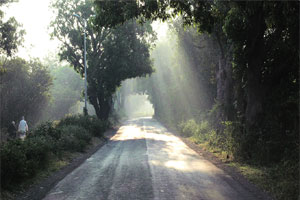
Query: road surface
{"type": "Point", "coordinates": [144, 161]}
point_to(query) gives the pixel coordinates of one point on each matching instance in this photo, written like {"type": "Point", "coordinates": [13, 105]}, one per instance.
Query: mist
{"type": "Point", "coordinates": [174, 91]}
{"type": "Point", "coordinates": [138, 105]}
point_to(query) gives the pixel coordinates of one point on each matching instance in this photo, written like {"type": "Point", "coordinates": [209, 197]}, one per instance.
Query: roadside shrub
{"type": "Point", "coordinates": [201, 132]}
{"type": "Point", "coordinates": [90, 123]}
{"type": "Point", "coordinates": [204, 131]}
{"type": "Point", "coordinates": [21, 160]}
{"type": "Point", "coordinates": [212, 138]}
{"type": "Point", "coordinates": [36, 150]}
{"type": "Point", "coordinates": [226, 140]}
{"type": "Point", "coordinates": [47, 129]}
{"type": "Point", "coordinates": [47, 132]}
{"type": "Point", "coordinates": [74, 138]}
{"type": "Point", "coordinates": [13, 163]}
{"type": "Point", "coordinates": [188, 128]}
{"type": "Point", "coordinates": [78, 120]}
{"type": "Point", "coordinates": [98, 127]}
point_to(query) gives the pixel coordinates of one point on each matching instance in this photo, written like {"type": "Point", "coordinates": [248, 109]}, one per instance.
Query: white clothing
{"type": "Point", "coordinates": [23, 127]}
{"type": "Point", "coordinates": [22, 135]}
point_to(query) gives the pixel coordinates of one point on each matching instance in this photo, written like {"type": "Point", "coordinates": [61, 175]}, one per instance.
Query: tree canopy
{"type": "Point", "coordinates": [252, 28]}
{"type": "Point", "coordinates": [257, 79]}
{"type": "Point", "coordinates": [24, 90]}
{"type": "Point", "coordinates": [65, 92]}
{"type": "Point", "coordinates": [113, 54]}
{"type": "Point", "coordinates": [11, 36]}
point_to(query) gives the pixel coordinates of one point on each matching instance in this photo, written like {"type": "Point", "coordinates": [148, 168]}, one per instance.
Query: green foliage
{"type": "Point", "coordinates": [13, 163]}
{"type": "Point", "coordinates": [113, 54]}
{"type": "Point", "coordinates": [261, 40]}
{"type": "Point", "coordinates": [258, 42]}
{"type": "Point", "coordinates": [266, 64]}
{"type": "Point", "coordinates": [46, 129]}
{"type": "Point", "coordinates": [21, 160]}
{"type": "Point", "coordinates": [229, 140]}
{"type": "Point", "coordinates": [25, 90]}
{"type": "Point", "coordinates": [65, 92]}
{"type": "Point", "coordinates": [37, 150]}
{"type": "Point", "coordinates": [90, 123]}
{"type": "Point", "coordinates": [230, 136]}
{"type": "Point", "coordinates": [281, 180]}
{"type": "Point", "coordinates": [74, 138]}
{"type": "Point", "coordinates": [200, 132]}
{"type": "Point", "coordinates": [49, 132]}
{"type": "Point", "coordinates": [11, 36]}
{"type": "Point", "coordinates": [189, 128]}
{"type": "Point", "coordinates": [286, 182]}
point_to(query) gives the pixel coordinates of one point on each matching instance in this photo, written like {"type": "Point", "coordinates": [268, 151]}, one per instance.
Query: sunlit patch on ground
{"type": "Point", "coordinates": [144, 157]}
{"type": "Point", "coordinates": [186, 172]}
{"type": "Point", "coordinates": [174, 153]}
{"type": "Point", "coordinates": [128, 132]}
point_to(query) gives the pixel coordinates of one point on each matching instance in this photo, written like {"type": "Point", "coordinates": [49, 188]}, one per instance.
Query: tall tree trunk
{"type": "Point", "coordinates": [93, 100]}
{"type": "Point", "coordinates": [224, 81]}
{"type": "Point", "coordinates": [102, 105]}
{"type": "Point", "coordinates": [105, 107]}
{"type": "Point", "coordinates": [221, 76]}
{"type": "Point", "coordinates": [225, 89]}
{"type": "Point", "coordinates": [228, 90]}
{"type": "Point", "coordinates": [254, 92]}
{"type": "Point", "coordinates": [255, 57]}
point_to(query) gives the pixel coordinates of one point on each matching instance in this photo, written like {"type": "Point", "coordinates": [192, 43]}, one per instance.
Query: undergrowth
{"type": "Point", "coordinates": [23, 160]}
{"type": "Point", "coordinates": [233, 146]}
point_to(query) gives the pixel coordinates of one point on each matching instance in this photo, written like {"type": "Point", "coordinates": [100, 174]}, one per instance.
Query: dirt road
{"type": "Point", "coordinates": [145, 161]}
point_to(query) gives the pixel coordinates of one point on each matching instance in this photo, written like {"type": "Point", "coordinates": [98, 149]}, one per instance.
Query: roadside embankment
{"type": "Point", "coordinates": [30, 167]}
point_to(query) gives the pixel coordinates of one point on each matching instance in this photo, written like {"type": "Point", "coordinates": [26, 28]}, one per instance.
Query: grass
{"type": "Point", "coordinates": [280, 180]}
{"type": "Point", "coordinates": [222, 155]}
{"type": "Point", "coordinates": [276, 180]}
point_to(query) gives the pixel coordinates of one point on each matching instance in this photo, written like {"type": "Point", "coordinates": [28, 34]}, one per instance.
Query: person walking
{"type": "Point", "coordinates": [23, 128]}
{"type": "Point", "coordinates": [12, 131]}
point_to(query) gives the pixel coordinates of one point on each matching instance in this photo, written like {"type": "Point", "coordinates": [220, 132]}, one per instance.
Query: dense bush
{"type": "Point", "coordinates": [200, 131]}
{"type": "Point", "coordinates": [230, 140]}
{"type": "Point", "coordinates": [36, 150]}
{"type": "Point", "coordinates": [22, 159]}
{"type": "Point", "coordinates": [91, 123]}
{"type": "Point", "coordinates": [74, 138]}
{"type": "Point", "coordinates": [47, 129]}
{"type": "Point", "coordinates": [13, 163]}
{"type": "Point", "coordinates": [189, 128]}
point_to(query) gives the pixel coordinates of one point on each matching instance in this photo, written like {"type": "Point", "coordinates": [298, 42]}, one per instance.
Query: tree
{"type": "Point", "coordinates": [10, 34]}
{"type": "Point", "coordinates": [259, 49]}
{"type": "Point", "coordinates": [266, 38]}
{"type": "Point", "coordinates": [183, 85]}
{"type": "Point", "coordinates": [244, 23]}
{"type": "Point", "coordinates": [65, 92]}
{"type": "Point", "coordinates": [207, 16]}
{"type": "Point", "coordinates": [266, 56]}
{"type": "Point", "coordinates": [24, 90]}
{"type": "Point", "coordinates": [113, 54]}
